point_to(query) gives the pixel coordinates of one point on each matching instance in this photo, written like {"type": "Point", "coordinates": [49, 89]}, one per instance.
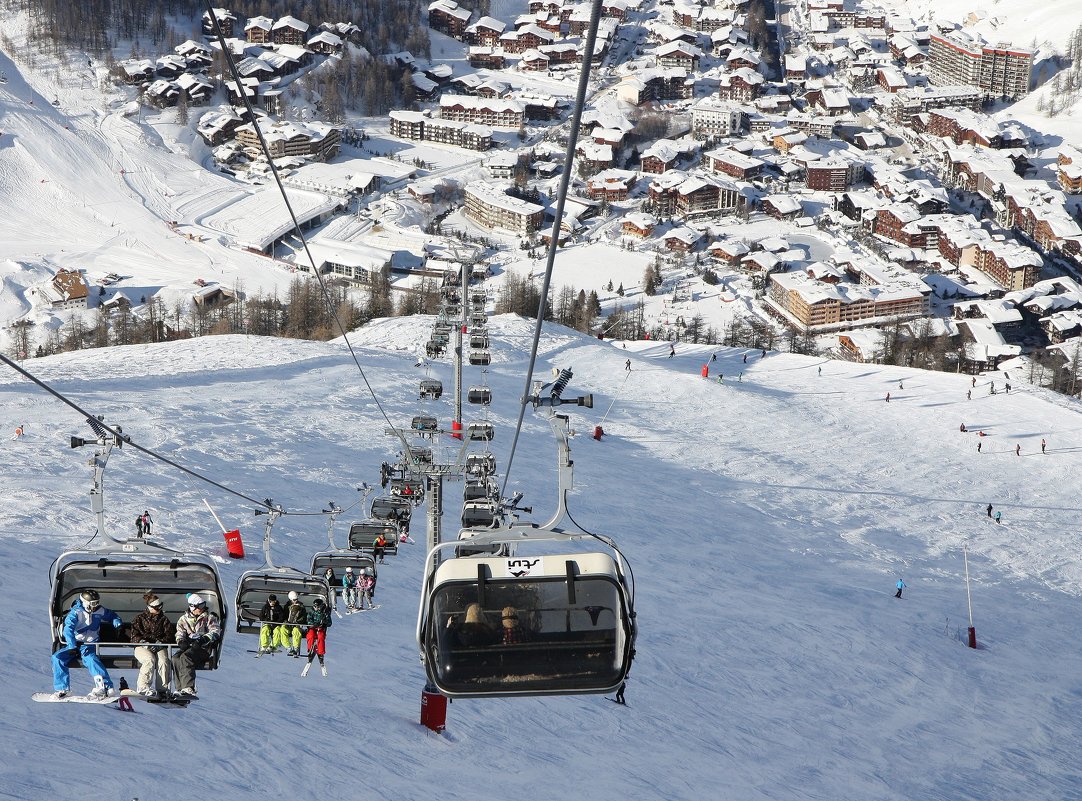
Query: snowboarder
{"type": "Point", "coordinates": [147, 523]}
{"type": "Point", "coordinates": [1017, 450]}
{"type": "Point", "coordinates": [888, 397]}
{"type": "Point", "coordinates": [969, 394]}
{"type": "Point", "coordinates": [714, 357]}
{"type": "Point", "coordinates": [366, 583]}
{"type": "Point", "coordinates": [989, 510]}
{"type": "Point", "coordinates": [152, 626]}
{"type": "Point", "coordinates": [672, 350]}
{"type": "Point", "coordinates": [962, 428]}
{"type": "Point", "coordinates": [979, 443]}
{"type": "Point", "coordinates": [745, 358]}
{"type": "Point", "coordinates": [1043, 445]}
{"type": "Point", "coordinates": [627, 365]}
{"type": "Point", "coordinates": [82, 633]}
{"type": "Point", "coordinates": [997, 515]}
{"type": "Point", "coordinates": [901, 585]}
{"type": "Point", "coordinates": [270, 633]}
{"type": "Point", "coordinates": [1008, 388]}
{"type": "Point", "coordinates": [19, 431]}
{"type": "Point", "coordinates": [349, 589]}
{"type": "Point", "coordinates": [973, 383]}
{"type": "Point", "coordinates": [900, 385]}
{"type": "Point", "coordinates": [764, 354]}
{"type": "Point", "coordinates": [721, 378]}
{"type": "Point", "coordinates": [820, 370]}
{"type": "Point", "coordinates": [319, 620]}
{"type": "Point", "coordinates": [197, 633]}
{"type": "Point", "coordinates": [620, 693]}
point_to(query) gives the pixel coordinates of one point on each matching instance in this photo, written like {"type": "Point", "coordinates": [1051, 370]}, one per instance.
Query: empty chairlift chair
{"type": "Point", "coordinates": [480, 358]}
{"type": "Point", "coordinates": [481, 396]}
{"type": "Point", "coordinates": [478, 341]}
{"type": "Point", "coordinates": [480, 432]}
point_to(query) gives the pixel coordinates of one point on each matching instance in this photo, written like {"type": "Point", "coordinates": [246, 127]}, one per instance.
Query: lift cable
{"type": "Point", "coordinates": [228, 56]}
{"type": "Point", "coordinates": [561, 198]}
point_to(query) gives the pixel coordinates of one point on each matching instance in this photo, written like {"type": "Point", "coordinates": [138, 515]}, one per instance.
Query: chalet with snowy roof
{"type": "Point", "coordinates": [860, 205]}
{"type": "Point", "coordinates": [170, 66]}
{"type": "Point", "coordinates": [678, 54]}
{"type": "Point", "coordinates": [786, 139]}
{"type": "Point", "coordinates": [639, 225]}
{"type": "Point", "coordinates": [486, 57]}
{"type": "Point", "coordinates": [69, 290]}
{"type": "Point", "coordinates": [968, 127]}
{"type": "Point", "coordinates": [316, 141]}
{"type": "Point", "coordinates": [741, 86]}
{"type": "Point", "coordinates": [325, 43]}
{"type": "Point", "coordinates": [862, 346]}
{"type": "Point", "coordinates": [482, 111]}
{"type": "Point", "coordinates": [289, 30]}
{"type": "Point", "coordinates": [162, 94]}
{"type": "Point", "coordinates": [196, 56]}
{"type": "Point", "coordinates": [869, 140]}
{"type": "Point", "coordinates": [610, 185]}
{"type": "Point", "coordinates": [217, 127]}
{"type": "Point", "coordinates": [729, 251]}
{"type": "Point", "coordinates": [493, 88]}
{"type": "Point", "coordinates": [529, 37]}
{"type": "Point", "coordinates": [136, 71]}
{"type": "Point", "coordinates": [257, 30]}
{"type": "Point", "coordinates": [490, 206]}
{"type": "Point", "coordinates": [485, 32]}
{"type": "Point", "coordinates": [782, 207]}
{"type": "Point", "coordinates": [734, 164]}
{"type": "Point", "coordinates": [743, 58]}
{"type": "Point", "coordinates": [655, 84]}
{"type": "Point", "coordinates": [561, 53]}
{"type": "Point", "coordinates": [681, 240]}
{"type": "Point", "coordinates": [226, 21]}
{"type": "Point", "coordinates": [761, 262]}
{"type": "Point", "coordinates": [594, 156]}
{"type": "Point", "coordinates": [796, 67]}
{"type": "Point", "coordinates": [534, 61]}
{"type": "Point", "coordinates": [1069, 170]}
{"type": "Point", "coordinates": [659, 157]}
{"type": "Point", "coordinates": [196, 88]}
{"type": "Point", "coordinates": [1062, 325]}
{"type": "Point", "coordinates": [447, 17]}
{"type": "Point", "coordinates": [891, 78]}
{"type": "Point", "coordinates": [831, 99]}
{"type": "Point", "coordinates": [704, 196]}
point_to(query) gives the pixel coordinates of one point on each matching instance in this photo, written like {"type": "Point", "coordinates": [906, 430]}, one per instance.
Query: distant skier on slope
{"type": "Point", "coordinates": [901, 585]}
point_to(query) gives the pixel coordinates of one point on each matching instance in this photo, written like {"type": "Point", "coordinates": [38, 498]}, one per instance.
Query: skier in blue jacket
{"type": "Point", "coordinates": [82, 633]}
{"type": "Point", "coordinates": [901, 586]}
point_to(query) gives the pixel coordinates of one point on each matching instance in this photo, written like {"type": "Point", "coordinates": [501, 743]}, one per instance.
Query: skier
{"type": "Point", "coordinates": [332, 581]}
{"type": "Point", "coordinates": [1017, 450]}
{"type": "Point", "coordinates": [1043, 445]}
{"type": "Point", "coordinates": [973, 383]}
{"type": "Point", "coordinates": [962, 428]}
{"type": "Point", "coordinates": [270, 633]}
{"type": "Point", "coordinates": [147, 522]}
{"type": "Point", "coordinates": [378, 544]}
{"type": "Point", "coordinates": [1008, 388]}
{"type": "Point", "coordinates": [152, 626]}
{"type": "Point", "coordinates": [197, 633]}
{"type": "Point", "coordinates": [627, 365]}
{"type": "Point", "coordinates": [82, 633]}
{"type": "Point", "coordinates": [296, 616]}
{"type": "Point", "coordinates": [349, 589]}
{"type": "Point", "coordinates": [979, 443]}
{"type": "Point", "coordinates": [721, 378]}
{"type": "Point", "coordinates": [366, 583]}
{"type": "Point", "coordinates": [19, 431]}
{"type": "Point", "coordinates": [746, 359]}
{"type": "Point", "coordinates": [901, 585]}
{"type": "Point", "coordinates": [820, 369]}
{"type": "Point", "coordinates": [888, 397]}
{"type": "Point", "coordinates": [319, 620]}
{"type": "Point", "coordinates": [139, 526]}
{"type": "Point", "coordinates": [714, 357]}
{"type": "Point", "coordinates": [969, 394]}
{"type": "Point", "coordinates": [997, 515]}
{"type": "Point", "coordinates": [989, 507]}
{"type": "Point", "coordinates": [672, 350]}
{"type": "Point", "coordinates": [900, 384]}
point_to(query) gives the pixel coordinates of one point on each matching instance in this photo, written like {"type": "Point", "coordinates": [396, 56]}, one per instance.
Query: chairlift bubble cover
{"type": "Point", "coordinates": [569, 642]}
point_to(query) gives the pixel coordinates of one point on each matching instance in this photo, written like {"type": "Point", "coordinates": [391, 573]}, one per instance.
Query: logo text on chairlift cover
{"type": "Point", "coordinates": [520, 568]}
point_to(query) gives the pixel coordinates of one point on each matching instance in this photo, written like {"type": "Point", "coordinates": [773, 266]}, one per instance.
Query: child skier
{"type": "Point", "coordinates": [319, 620]}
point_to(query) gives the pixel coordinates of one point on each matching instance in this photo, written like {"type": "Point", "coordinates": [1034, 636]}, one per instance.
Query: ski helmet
{"type": "Point", "coordinates": [91, 600]}
{"type": "Point", "coordinates": [272, 597]}
{"type": "Point", "coordinates": [349, 569]}
{"type": "Point", "coordinates": [319, 602]}
{"type": "Point", "coordinates": [293, 595]}
{"type": "Point", "coordinates": [195, 601]}
{"type": "Point", "coordinates": [369, 571]}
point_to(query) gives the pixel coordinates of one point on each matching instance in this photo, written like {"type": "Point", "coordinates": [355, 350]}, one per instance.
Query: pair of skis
{"type": "Point", "coordinates": [322, 669]}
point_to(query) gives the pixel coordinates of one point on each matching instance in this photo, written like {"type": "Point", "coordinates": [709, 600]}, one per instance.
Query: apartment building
{"type": "Point", "coordinates": [811, 304]}
{"type": "Point", "coordinates": [315, 140]}
{"type": "Point", "coordinates": [420, 127]}
{"type": "Point", "coordinates": [490, 206]}
{"type": "Point", "coordinates": [958, 58]}
{"type": "Point", "coordinates": [483, 111]}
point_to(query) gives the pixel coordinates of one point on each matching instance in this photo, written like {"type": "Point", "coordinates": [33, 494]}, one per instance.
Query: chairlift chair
{"type": "Point", "coordinates": [481, 464]}
{"type": "Point", "coordinates": [439, 338]}
{"type": "Point", "coordinates": [480, 490]}
{"type": "Point", "coordinates": [256, 586]}
{"type": "Point", "coordinates": [432, 350]}
{"type": "Point", "coordinates": [481, 396]}
{"type": "Point", "coordinates": [479, 340]}
{"type": "Point", "coordinates": [480, 432]}
{"type": "Point", "coordinates": [362, 534]}
{"type": "Point", "coordinates": [478, 320]}
{"type": "Point", "coordinates": [340, 560]}
{"type": "Point", "coordinates": [122, 574]}
{"type": "Point", "coordinates": [575, 610]}
{"type": "Point", "coordinates": [480, 358]}
{"type": "Point", "coordinates": [424, 422]}
{"type": "Point", "coordinates": [431, 388]}
{"type": "Point", "coordinates": [412, 489]}
{"type": "Point", "coordinates": [480, 514]}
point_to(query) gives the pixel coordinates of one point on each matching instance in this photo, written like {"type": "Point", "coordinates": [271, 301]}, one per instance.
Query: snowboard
{"type": "Point", "coordinates": [47, 698]}
{"type": "Point", "coordinates": [621, 703]}
{"type": "Point", "coordinates": [168, 700]}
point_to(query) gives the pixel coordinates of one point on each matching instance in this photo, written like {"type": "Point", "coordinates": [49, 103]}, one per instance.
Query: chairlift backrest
{"type": "Point", "coordinates": [480, 358]}
{"type": "Point", "coordinates": [480, 514]}
{"type": "Point", "coordinates": [479, 341]}
{"type": "Point", "coordinates": [481, 464]}
{"type": "Point", "coordinates": [362, 534]}
{"type": "Point", "coordinates": [340, 560]}
{"type": "Point", "coordinates": [431, 388]}
{"type": "Point", "coordinates": [424, 422]}
{"type": "Point", "coordinates": [479, 395]}
{"type": "Point", "coordinates": [480, 490]}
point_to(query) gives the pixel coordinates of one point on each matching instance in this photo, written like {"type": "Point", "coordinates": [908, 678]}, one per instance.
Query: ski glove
{"type": "Point", "coordinates": [116, 623]}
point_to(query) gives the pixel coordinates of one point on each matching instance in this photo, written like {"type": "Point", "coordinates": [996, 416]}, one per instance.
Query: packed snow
{"type": "Point", "coordinates": [766, 518]}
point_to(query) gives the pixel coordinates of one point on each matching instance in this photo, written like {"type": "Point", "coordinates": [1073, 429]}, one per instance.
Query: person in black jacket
{"type": "Point", "coordinates": [319, 620]}
{"type": "Point", "coordinates": [153, 631]}
{"type": "Point", "coordinates": [271, 614]}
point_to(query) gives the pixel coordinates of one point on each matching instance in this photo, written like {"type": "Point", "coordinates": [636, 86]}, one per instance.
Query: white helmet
{"type": "Point", "coordinates": [293, 595]}
{"type": "Point", "coordinates": [349, 569]}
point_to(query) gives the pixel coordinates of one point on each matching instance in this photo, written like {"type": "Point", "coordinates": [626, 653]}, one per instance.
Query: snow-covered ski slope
{"type": "Point", "coordinates": [767, 521]}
